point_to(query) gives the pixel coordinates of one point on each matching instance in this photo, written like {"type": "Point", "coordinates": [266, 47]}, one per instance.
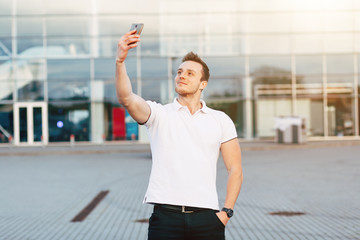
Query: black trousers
{"type": "Point", "coordinates": [165, 224]}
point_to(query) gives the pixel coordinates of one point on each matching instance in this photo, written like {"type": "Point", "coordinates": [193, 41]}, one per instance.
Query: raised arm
{"type": "Point", "coordinates": [134, 104]}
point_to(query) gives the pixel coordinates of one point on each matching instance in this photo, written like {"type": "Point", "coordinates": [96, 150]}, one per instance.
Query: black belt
{"type": "Point", "coordinates": [181, 209]}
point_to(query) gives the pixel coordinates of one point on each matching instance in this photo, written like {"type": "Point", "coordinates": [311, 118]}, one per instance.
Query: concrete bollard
{"type": "Point", "coordinates": [72, 140]}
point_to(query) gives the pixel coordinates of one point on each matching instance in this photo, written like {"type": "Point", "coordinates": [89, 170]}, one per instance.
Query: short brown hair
{"type": "Point", "coordinates": [195, 58]}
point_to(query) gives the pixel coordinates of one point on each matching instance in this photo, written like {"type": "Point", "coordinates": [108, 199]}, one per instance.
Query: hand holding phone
{"type": "Point", "coordinates": [138, 27]}
{"type": "Point", "coordinates": [128, 41]}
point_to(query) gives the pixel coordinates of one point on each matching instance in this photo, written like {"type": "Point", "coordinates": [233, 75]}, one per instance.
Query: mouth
{"type": "Point", "coordinates": [181, 83]}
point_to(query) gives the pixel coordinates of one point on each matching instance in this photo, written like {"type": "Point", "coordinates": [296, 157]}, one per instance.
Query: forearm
{"type": "Point", "coordinates": [123, 85]}
{"type": "Point", "coordinates": [234, 183]}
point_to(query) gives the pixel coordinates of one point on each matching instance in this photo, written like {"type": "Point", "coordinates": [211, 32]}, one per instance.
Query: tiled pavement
{"type": "Point", "coordinates": [42, 189]}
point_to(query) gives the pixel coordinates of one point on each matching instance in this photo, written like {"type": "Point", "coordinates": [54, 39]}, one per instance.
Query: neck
{"type": "Point", "coordinates": [192, 103]}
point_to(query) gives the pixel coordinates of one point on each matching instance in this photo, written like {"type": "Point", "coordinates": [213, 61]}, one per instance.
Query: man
{"type": "Point", "coordinates": [186, 138]}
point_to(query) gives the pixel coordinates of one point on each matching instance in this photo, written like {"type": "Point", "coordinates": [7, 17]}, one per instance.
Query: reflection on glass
{"type": "Point", "coordinates": [5, 47]}
{"type": "Point", "coordinates": [29, 26]}
{"type": "Point", "coordinates": [37, 121]}
{"type": "Point", "coordinates": [68, 90]}
{"type": "Point", "coordinates": [23, 124]}
{"type": "Point", "coordinates": [221, 89]}
{"type": "Point", "coordinates": [68, 69]}
{"type": "Point", "coordinates": [154, 67]}
{"type": "Point", "coordinates": [30, 90]}
{"type": "Point", "coordinates": [75, 26]}
{"type": "Point", "coordinates": [312, 110]}
{"type": "Point", "coordinates": [30, 47]}
{"type": "Point", "coordinates": [155, 90]}
{"type": "Point", "coordinates": [332, 42]}
{"type": "Point", "coordinates": [340, 114]}
{"type": "Point", "coordinates": [308, 65]}
{"type": "Point", "coordinates": [6, 80]}
{"type": "Point", "coordinates": [6, 6]}
{"type": "Point", "coordinates": [269, 44]}
{"type": "Point", "coordinates": [340, 64]}
{"type": "Point", "coordinates": [67, 119]}
{"type": "Point", "coordinates": [309, 86]}
{"type": "Point", "coordinates": [270, 65]}
{"type": "Point", "coordinates": [307, 43]}
{"type": "Point", "coordinates": [6, 123]}
{"type": "Point", "coordinates": [68, 47]}
{"type": "Point", "coordinates": [5, 27]}
{"type": "Point", "coordinates": [24, 7]}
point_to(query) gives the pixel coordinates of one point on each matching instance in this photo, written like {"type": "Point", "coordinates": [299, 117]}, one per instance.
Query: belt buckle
{"type": "Point", "coordinates": [184, 211]}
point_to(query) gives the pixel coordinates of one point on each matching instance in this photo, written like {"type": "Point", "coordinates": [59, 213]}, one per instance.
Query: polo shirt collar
{"type": "Point", "coordinates": [204, 108]}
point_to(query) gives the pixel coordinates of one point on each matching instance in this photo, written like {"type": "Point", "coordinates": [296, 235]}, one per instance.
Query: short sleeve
{"type": "Point", "coordinates": [154, 110]}
{"type": "Point", "coordinates": [228, 129]}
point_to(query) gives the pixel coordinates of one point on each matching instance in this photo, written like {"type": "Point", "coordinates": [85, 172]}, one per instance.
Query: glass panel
{"type": "Point", "coordinates": [6, 123]}
{"type": "Point", "coordinates": [309, 78]}
{"type": "Point", "coordinates": [312, 110]}
{"type": "Point", "coordinates": [68, 90]}
{"type": "Point", "coordinates": [338, 42]}
{"type": "Point", "coordinates": [338, 21]}
{"type": "Point", "coordinates": [23, 124]}
{"type": "Point", "coordinates": [29, 27]}
{"type": "Point", "coordinates": [307, 5]}
{"type": "Point", "coordinates": [269, 44]}
{"type": "Point", "coordinates": [118, 26]}
{"type": "Point", "coordinates": [306, 22]}
{"type": "Point", "coordinates": [24, 7]}
{"type": "Point", "coordinates": [75, 26]}
{"type": "Point", "coordinates": [30, 90]}
{"type": "Point", "coordinates": [155, 90]}
{"type": "Point", "coordinates": [69, 118]}
{"type": "Point", "coordinates": [270, 65]}
{"type": "Point", "coordinates": [220, 89]}
{"type": "Point", "coordinates": [5, 7]}
{"type": "Point", "coordinates": [5, 47]}
{"type": "Point", "coordinates": [154, 67]}
{"type": "Point", "coordinates": [340, 116]}
{"type": "Point", "coordinates": [5, 27]}
{"type": "Point", "coordinates": [105, 68]}
{"type": "Point", "coordinates": [6, 80]}
{"type": "Point", "coordinates": [265, 110]}
{"type": "Point", "coordinates": [68, 47]}
{"type": "Point", "coordinates": [340, 64]}
{"type": "Point", "coordinates": [150, 45]}
{"type": "Point", "coordinates": [272, 5]}
{"type": "Point", "coordinates": [37, 121]}
{"type": "Point", "coordinates": [309, 86]}
{"type": "Point", "coordinates": [269, 22]}
{"type": "Point", "coordinates": [30, 47]}
{"type": "Point", "coordinates": [308, 65]}
{"type": "Point", "coordinates": [307, 43]}
{"type": "Point", "coordinates": [69, 69]}
{"type": "Point", "coordinates": [30, 69]}
{"type": "Point", "coordinates": [116, 7]}
{"type": "Point", "coordinates": [68, 7]}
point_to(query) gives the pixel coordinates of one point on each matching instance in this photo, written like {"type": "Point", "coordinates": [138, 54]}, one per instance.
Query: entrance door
{"type": "Point", "coordinates": [30, 123]}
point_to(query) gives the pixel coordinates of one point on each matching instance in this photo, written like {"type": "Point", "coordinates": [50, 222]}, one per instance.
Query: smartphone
{"type": "Point", "coordinates": [138, 26]}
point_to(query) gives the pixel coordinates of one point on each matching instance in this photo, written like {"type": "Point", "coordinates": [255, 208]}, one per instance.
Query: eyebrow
{"type": "Point", "coordinates": [189, 70]}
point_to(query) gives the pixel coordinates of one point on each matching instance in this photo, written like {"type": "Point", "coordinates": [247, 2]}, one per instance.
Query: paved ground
{"type": "Point", "coordinates": [42, 189]}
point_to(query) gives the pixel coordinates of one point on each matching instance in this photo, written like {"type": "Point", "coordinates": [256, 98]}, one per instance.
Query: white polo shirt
{"type": "Point", "coordinates": [185, 149]}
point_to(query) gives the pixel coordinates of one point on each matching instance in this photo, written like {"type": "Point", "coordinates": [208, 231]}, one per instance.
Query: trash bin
{"type": "Point", "coordinates": [290, 129]}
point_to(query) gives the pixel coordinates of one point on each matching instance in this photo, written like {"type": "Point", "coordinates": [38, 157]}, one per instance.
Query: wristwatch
{"type": "Point", "coordinates": [228, 211]}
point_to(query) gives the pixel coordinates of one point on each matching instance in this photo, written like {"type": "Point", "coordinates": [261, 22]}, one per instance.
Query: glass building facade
{"type": "Point", "coordinates": [266, 58]}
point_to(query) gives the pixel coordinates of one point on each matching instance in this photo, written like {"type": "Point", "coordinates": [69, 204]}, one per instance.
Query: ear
{"type": "Point", "coordinates": [203, 85]}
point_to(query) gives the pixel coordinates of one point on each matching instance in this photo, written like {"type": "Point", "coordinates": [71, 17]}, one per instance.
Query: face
{"type": "Point", "coordinates": [188, 79]}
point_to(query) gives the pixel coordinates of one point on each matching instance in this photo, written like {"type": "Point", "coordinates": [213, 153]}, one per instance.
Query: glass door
{"type": "Point", "coordinates": [30, 123]}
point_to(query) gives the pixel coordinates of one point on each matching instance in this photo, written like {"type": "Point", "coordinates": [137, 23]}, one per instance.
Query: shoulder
{"type": "Point", "coordinates": [218, 114]}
